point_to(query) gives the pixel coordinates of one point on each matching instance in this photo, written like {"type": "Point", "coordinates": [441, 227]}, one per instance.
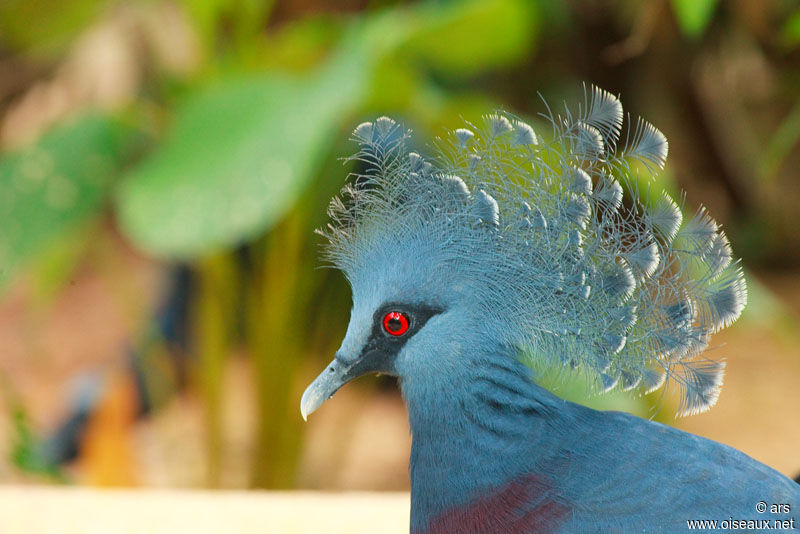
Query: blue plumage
{"type": "Point", "coordinates": [506, 255]}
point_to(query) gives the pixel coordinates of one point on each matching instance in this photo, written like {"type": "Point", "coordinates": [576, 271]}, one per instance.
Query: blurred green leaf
{"type": "Point", "coordinates": [790, 31]}
{"type": "Point", "coordinates": [577, 387]}
{"type": "Point", "coordinates": [241, 152]}
{"type": "Point", "coordinates": [239, 155]}
{"type": "Point", "coordinates": [693, 15]}
{"type": "Point", "coordinates": [43, 25]}
{"type": "Point", "coordinates": [465, 38]}
{"type": "Point", "coordinates": [25, 449]}
{"type": "Point", "coordinates": [765, 309]}
{"type": "Point", "coordinates": [299, 45]}
{"type": "Point", "coordinates": [780, 146]}
{"type": "Point", "coordinates": [57, 184]}
{"type": "Point", "coordinates": [228, 25]}
{"type": "Point", "coordinates": [56, 264]}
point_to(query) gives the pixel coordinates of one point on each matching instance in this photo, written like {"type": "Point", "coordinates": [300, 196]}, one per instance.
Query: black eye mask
{"type": "Point", "coordinates": [382, 347]}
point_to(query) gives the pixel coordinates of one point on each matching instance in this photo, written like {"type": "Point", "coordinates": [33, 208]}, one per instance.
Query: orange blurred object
{"type": "Point", "coordinates": [109, 457]}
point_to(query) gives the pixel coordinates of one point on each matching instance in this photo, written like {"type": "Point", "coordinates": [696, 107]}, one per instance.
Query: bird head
{"type": "Point", "coordinates": [501, 240]}
{"type": "Point", "coordinates": [407, 307]}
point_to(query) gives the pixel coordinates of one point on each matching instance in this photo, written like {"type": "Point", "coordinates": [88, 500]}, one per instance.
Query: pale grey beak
{"type": "Point", "coordinates": [323, 387]}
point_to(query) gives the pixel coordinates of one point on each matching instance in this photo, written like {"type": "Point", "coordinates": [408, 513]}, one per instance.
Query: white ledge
{"type": "Point", "coordinates": [78, 510]}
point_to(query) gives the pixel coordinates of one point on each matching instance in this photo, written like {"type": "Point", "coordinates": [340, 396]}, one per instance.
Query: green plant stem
{"type": "Point", "coordinates": [212, 318]}
{"type": "Point", "coordinates": [272, 311]}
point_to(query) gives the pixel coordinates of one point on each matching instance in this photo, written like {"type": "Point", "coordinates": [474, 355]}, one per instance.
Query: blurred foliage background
{"type": "Point", "coordinates": [164, 164]}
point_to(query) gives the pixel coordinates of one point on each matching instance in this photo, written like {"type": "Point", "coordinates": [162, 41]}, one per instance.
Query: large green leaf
{"type": "Point", "coordinates": [49, 189]}
{"type": "Point", "coordinates": [241, 152]}
{"type": "Point", "coordinates": [237, 157]}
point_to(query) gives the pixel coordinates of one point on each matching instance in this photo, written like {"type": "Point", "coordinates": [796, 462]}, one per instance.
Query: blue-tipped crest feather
{"type": "Point", "coordinates": [533, 233]}
{"type": "Point", "coordinates": [498, 125]}
{"type": "Point", "coordinates": [719, 254]}
{"type": "Point", "coordinates": [666, 217]}
{"type": "Point", "coordinates": [588, 142]}
{"type": "Point", "coordinates": [486, 208]}
{"type": "Point", "coordinates": [580, 181]}
{"type": "Point", "coordinates": [464, 136]}
{"type": "Point", "coordinates": [647, 145]}
{"type": "Point", "coordinates": [603, 112]}
{"type": "Point", "coordinates": [609, 193]}
{"type": "Point", "coordinates": [523, 134]}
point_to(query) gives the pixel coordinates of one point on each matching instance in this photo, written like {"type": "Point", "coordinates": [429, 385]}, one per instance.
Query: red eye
{"type": "Point", "coordinates": [395, 323]}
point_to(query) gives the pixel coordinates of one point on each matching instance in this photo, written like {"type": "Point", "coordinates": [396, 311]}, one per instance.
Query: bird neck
{"type": "Point", "coordinates": [488, 425]}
